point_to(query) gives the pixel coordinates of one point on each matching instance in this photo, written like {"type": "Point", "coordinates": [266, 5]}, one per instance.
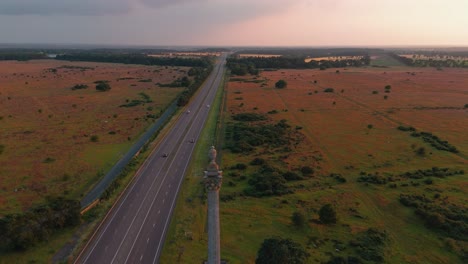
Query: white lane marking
{"type": "Point", "coordinates": [154, 224]}
{"type": "Point", "coordinates": [173, 201]}
{"type": "Point", "coordinates": [151, 205]}
{"type": "Point", "coordinates": [141, 257]}
{"type": "Point", "coordinates": [147, 240]}
{"type": "Point", "coordinates": [150, 160]}
{"type": "Point", "coordinates": [167, 193]}
{"type": "Point", "coordinates": [159, 211]}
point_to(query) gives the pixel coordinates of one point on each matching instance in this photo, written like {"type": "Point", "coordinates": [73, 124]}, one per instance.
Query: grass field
{"type": "Point", "coordinates": [350, 131]}
{"type": "Point", "coordinates": [57, 140]}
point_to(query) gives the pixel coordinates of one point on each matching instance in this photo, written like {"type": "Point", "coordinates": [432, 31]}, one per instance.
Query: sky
{"type": "Point", "coordinates": [236, 22]}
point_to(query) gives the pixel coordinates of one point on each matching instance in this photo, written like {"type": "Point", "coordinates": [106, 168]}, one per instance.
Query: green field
{"type": "Point", "coordinates": [363, 166]}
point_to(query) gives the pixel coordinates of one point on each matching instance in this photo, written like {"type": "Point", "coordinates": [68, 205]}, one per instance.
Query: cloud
{"type": "Point", "coordinates": [79, 7]}
{"type": "Point", "coordinates": [64, 7]}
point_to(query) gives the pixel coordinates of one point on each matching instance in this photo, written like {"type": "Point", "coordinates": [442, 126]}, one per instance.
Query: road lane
{"type": "Point", "coordinates": [134, 230]}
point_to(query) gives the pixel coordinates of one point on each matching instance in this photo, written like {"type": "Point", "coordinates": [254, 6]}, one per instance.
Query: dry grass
{"type": "Point", "coordinates": [47, 127]}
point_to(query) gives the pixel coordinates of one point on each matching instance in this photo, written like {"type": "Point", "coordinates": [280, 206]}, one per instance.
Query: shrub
{"type": "Point", "coordinates": [298, 219]}
{"type": "Point", "coordinates": [103, 86]}
{"type": "Point", "coordinates": [240, 166]}
{"type": "Point", "coordinates": [306, 170]}
{"type": "Point", "coordinates": [281, 84]}
{"type": "Point", "coordinates": [94, 138]}
{"type": "Point", "coordinates": [277, 250]}
{"type": "Point", "coordinates": [257, 161]}
{"type": "Point", "coordinates": [327, 214]}
{"type": "Point", "coordinates": [79, 87]}
{"type": "Point", "coordinates": [329, 90]}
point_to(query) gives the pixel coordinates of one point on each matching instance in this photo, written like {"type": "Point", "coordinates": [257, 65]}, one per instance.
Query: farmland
{"type": "Point", "coordinates": [365, 140]}
{"type": "Point", "coordinates": [59, 134]}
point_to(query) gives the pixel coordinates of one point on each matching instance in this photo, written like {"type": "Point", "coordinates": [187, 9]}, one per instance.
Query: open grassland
{"type": "Point", "coordinates": [59, 134]}
{"type": "Point", "coordinates": [351, 131]}
{"type": "Point", "coordinates": [362, 164]}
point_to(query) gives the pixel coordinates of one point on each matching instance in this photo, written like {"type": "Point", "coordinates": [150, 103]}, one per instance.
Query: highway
{"type": "Point", "coordinates": [135, 228]}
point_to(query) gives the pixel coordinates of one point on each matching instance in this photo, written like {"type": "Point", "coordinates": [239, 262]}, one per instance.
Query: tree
{"type": "Point", "coordinates": [298, 219]}
{"type": "Point", "coordinates": [103, 86]}
{"type": "Point", "coordinates": [327, 214]}
{"type": "Point", "coordinates": [281, 84]}
{"type": "Point", "coordinates": [277, 250]}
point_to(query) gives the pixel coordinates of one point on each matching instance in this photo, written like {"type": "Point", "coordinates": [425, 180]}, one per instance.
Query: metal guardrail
{"type": "Point", "coordinates": [102, 185]}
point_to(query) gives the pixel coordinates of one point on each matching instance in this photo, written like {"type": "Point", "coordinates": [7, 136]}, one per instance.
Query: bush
{"type": "Point", "coordinates": [327, 214]}
{"type": "Point", "coordinates": [306, 170]}
{"type": "Point", "coordinates": [329, 90]}
{"type": "Point", "coordinates": [103, 86]}
{"type": "Point", "coordinates": [280, 251]}
{"type": "Point", "coordinates": [281, 84]}
{"type": "Point", "coordinates": [257, 161]}
{"type": "Point", "coordinates": [298, 219]}
{"type": "Point", "coordinates": [94, 138]}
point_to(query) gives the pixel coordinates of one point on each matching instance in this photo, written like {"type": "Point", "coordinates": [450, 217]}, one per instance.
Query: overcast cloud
{"type": "Point", "coordinates": [235, 22]}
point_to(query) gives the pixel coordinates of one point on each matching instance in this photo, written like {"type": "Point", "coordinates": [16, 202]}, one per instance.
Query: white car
{"type": "Point", "coordinates": [188, 111]}
{"type": "Point", "coordinates": [207, 105]}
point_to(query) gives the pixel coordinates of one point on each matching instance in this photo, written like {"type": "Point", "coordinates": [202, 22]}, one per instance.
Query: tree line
{"type": "Point", "coordinates": [22, 56]}
{"type": "Point", "coordinates": [135, 59]}
{"type": "Point", "coordinates": [24, 230]}
{"type": "Point", "coordinates": [242, 66]}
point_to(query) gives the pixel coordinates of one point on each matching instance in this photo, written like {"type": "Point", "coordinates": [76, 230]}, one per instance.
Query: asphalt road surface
{"type": "Point", "coordinates": [134, 230]}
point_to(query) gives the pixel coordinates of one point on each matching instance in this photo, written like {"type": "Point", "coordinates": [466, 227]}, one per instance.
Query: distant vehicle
{"type": "Point", "coordinates": [207, 105]}
{"type": "Point", "coordinates": [188, 111]}
{"type": "Point", "coordinates": [192, 140]}
{"type": "Point", "coordinates": [164, 155]}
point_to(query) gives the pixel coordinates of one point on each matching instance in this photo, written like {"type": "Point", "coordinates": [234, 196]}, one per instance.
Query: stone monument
{"type": "Point", "coordinates": [213, 179]}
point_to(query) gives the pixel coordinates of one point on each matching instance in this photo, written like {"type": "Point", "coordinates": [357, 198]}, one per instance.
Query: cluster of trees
{"type": "Point", "coordinates": [377, 178]}
{"type": "Point", "coordinates": [449, 218]}
{"type": "Point", "coordinates": [200, 74]}
{"type": "Point", "coordinates": [21, 231]}
{"type": "Point", "coordinates": [135, 59]}
{"type": "Point", "coordinates": [144, 99]}
{"type": "Point", "coordinates": [281, 84]}
{"type": "Point", "coordinates": [181, 82]}
{"type": "Point", "coordinates": [243, 137]}
{"type": "Point", "coordinates": [435, 141]}
{"type": "Point", "coordinates": [102, 86]}
{"type": "Point", "coordinates": [277, 250]}
{"type": "Point", "coordinates": [79, 87]}
{"type": "Point", "coordinates": [242, 66]}
{"type": "Point", "coordinates": [370, 245]}
{"type": "Point", "coordinates": [433, 172]}
{"type": "Point", "coordinates": [438, 61]}
{"type": "Point", "coordinates": [310, 52]}
{"type": "Point", "coordinates": [431, 139]}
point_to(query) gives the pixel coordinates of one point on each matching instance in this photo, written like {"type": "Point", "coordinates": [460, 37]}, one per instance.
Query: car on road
{"type": "Point", "coordinates": [164, 155]}
{"type": "Point", "coordinates": [192, 140]}
{"type": "Point", "coordinates": [188, 111]}
{"type": "Point", "coordinates": [208, 106]}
